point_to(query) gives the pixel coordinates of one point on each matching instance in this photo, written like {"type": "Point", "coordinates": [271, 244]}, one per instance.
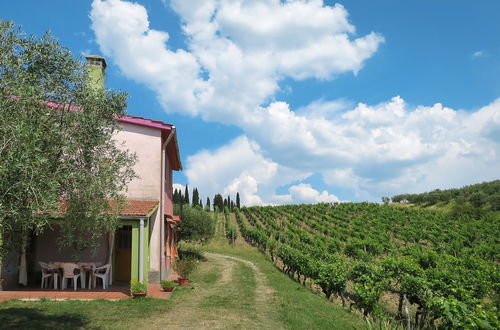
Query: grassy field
{"type": "Point", "coordinates": [234, 288]}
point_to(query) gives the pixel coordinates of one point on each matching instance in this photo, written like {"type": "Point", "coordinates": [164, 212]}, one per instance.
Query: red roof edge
{"type": "Point", "coordinates": [145, 122]}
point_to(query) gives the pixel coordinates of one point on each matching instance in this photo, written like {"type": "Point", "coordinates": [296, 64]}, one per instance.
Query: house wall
{"type": "Point", "coordinates": [169, 192]}
{"type": "Point", "coordinates": [146, 143]}
{"type": "Point", "coordinates": [46, 249]}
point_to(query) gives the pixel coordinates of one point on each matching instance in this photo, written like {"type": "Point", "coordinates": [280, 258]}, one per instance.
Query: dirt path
{"type": "Point", "coordinates": [264, 293]}
{"type": "Point", "coordinates": [231, 293]}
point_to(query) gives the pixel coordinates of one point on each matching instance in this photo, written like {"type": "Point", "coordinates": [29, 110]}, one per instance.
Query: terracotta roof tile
{"type": "Point", "coordinates": [135, 207]}
{"type": "Point", "coordinates": [131, 207]}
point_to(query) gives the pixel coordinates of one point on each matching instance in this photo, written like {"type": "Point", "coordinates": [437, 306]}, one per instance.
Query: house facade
{"type": "Point", "coordinates": [151, 196]}
{"type": "Point", "coordinates": [144, 245]}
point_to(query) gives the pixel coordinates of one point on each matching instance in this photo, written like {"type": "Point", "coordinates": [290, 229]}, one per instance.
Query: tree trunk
{"type": "Point", "coordinates": [1, 262]}
{"type": "Point", "coordinates": [400, 305]}
{"type": "Point", "coordinates": [418, 317]}
{"type": "Point", "coordinates": [406, 314]}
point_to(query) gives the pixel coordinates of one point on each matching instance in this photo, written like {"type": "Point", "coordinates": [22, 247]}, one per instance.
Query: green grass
{"type": "Point", "coordinates": [212, 276]}
{"type": "Point", "coordinates": [233, 299]}
{"type": "Point", "coordinates": [48, 314]}
{"type": "Point", "coordinates": [297, 306]}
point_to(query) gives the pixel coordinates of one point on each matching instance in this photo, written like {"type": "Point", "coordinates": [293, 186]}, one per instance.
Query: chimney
{"type": "Point", "coordinates": [96, 65]}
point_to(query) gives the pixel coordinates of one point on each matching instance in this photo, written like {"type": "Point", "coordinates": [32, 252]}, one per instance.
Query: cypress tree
{"type": "Point", "coordinates": [186, 195]}
{"type": "Point", "coordinates": [218, 202]}
{"type": "Point", "coordinates": [179, 196]}
{"type": "Point", "coordinates": [238, 200]}
{"type": "Point", "coordinates": [175, 196]}
{"type": "Point", "coordinates": [196, 197]}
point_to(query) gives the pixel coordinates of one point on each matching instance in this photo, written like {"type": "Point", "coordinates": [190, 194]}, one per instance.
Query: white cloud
{"type": "Point", "coordinates": [239, 167]}
{"type": "Point", "coordinates": [179, 187]}
{"type": "Point", "coordinates": [305, 193]}
{"type": "Point", "coordinates": [479, 53]}
{"type": "Point", "coordinates": [239, 52]}
{"type": "Point", "coordinates": [243, 57]}
{"type": "Point", "coordinates": [122, 32]}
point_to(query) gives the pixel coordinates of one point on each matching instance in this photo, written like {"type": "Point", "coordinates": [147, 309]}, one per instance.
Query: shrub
{"type": "Point", "coordinates": [184, 267]}
{"type": "Point", "coordinates": [197, 225]}
{"type": "Point", "coordinates": [167, 283]}
{"type": "Point", "coordinates": [193, 252]}
{"type": "Point", "coordinates": [138, 287]}
{"type": "Point", "coordinates": [332, 277]}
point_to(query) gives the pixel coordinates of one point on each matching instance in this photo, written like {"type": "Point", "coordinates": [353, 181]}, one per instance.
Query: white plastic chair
{"type": "Point", "coordinates": [69, 273]}
{"type": "Point", "coordinates": [101, 272]}
{"type": "Point", "coordinates": [48, 275]}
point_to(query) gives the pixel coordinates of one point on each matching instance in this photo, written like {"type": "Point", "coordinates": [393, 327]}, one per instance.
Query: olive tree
{"type": "Point", "coordinates": [58, 160]}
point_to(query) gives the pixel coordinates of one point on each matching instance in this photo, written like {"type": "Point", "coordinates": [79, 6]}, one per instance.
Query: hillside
{"type": "Point", "coordinates": [424, 267]}
{"type": "Point", "coordinates": [484, 195]}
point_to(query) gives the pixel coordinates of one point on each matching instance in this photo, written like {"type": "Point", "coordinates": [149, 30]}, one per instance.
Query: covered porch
{"type": "Point", "coordinates": [125, 252]}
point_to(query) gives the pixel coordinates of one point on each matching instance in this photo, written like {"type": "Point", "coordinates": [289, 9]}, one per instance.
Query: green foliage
{"type": "Point", "coordinates": [197, 225]}
{"type": "Point", "coordinates": [418, 254]}
{"type": "Point", "coordinates": [231, 232]}
{"type": "Point", "coordinates": [185, 266]}
{"type": "Point", "coordinates": [333, 276]}
{"type": "Point", "coordinates": [168, 284]}
{"type": "Point", "coordinates": [56, 151]}
{"type": "Point", "coordinates": [454, 314]}
{"type": "Point", "coordinates": [177, 199]}
{"type": "Point", "coordinates": [138, 287]}
{"type": "Point", "coordinates": [191, 252]}
{"type": "Point", "coordinates": [196, 198]}
{"type": "Point", "coordinates": [367, 297]}
{"type": "Point", "coordinates": [417, 289]}
{"type": "Point", "coordinates": [482, 195]}
{"type": "Point", "coordinates": [186, 195]}
{"type": "Point", "coordinates": [218, 203]}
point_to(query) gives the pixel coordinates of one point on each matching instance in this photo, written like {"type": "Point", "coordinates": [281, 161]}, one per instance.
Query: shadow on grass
{"type": "Point", "coordinates": [32, 318]}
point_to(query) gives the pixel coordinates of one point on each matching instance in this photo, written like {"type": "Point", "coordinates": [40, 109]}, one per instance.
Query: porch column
{"type": "Point", "coordinates": [141, 249]}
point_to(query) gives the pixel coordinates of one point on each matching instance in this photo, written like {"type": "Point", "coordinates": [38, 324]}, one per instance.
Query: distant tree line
{"type": "Point", "coordinates": [481, 195]}
{"type": "Point", "coordinates": [219, 202]}
{"type": "Point", "coordinates": [197, 224]}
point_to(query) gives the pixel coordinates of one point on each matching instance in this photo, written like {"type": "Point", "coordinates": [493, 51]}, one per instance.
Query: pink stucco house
{"type": "Point", "coordinates": [144, 245]}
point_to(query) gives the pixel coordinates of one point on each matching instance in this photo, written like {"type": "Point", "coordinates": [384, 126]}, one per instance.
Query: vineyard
{"type": "Point", "coordinates": [425, 268]}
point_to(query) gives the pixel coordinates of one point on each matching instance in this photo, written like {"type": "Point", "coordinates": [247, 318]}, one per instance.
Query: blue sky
{"type": "Point", "coordinates": [310, 101]}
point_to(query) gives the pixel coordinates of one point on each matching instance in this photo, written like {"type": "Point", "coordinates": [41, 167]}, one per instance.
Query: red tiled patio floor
{"type": "Point", "coordinates": [112, 293]}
